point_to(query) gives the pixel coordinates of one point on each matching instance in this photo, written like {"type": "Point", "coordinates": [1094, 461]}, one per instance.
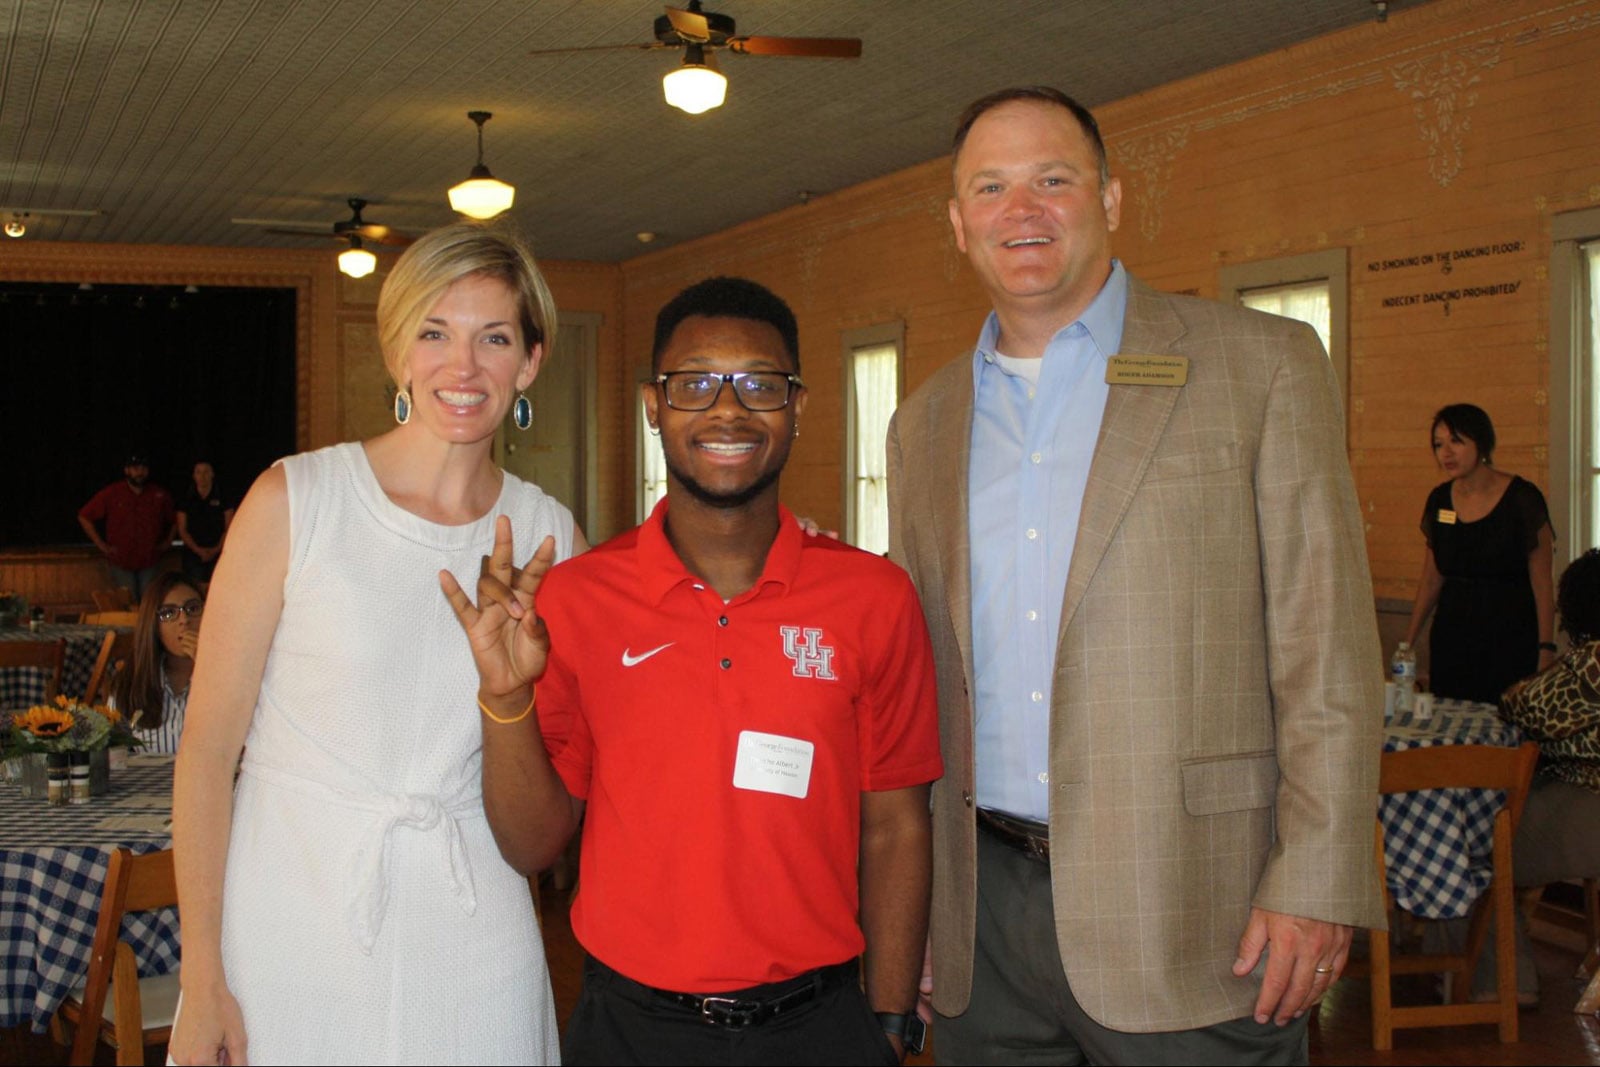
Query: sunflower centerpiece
{"type": "Point", "coordinates": [70, 738]}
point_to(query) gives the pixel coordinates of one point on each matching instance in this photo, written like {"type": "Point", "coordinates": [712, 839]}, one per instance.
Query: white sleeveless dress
{"type": "Point", "coordinates": [368, 916]}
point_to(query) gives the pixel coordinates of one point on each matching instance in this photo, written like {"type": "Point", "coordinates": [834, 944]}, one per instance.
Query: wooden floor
{"type": "Point", "coordinates": [1551, 1034]}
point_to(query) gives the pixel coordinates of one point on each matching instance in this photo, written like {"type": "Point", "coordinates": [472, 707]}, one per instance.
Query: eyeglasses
{"type": "Point", "coordinates": [169, 612]}
{"type": "Point", "coordinates": [692, 390]}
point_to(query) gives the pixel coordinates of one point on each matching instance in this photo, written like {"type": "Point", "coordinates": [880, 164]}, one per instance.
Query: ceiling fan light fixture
{"type": "Point", "coordinates": [697, 86]}
{"type": "Point", "coordinates": [355, 261]}
{"type": "Point", "coordinates": [482, 195]}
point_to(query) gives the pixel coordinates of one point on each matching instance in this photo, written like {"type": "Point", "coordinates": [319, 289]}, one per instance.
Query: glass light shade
{"type": "Point", "coordinates": [481, 196]}
{"type": "Point", "coordinates": [357, 262]}
{"type": "Point", "coordinates": [695, 88]}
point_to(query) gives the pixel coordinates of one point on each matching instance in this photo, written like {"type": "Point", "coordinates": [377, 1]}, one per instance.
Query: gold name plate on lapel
{"type": "Point", "coordinates": [1447, 516]}
{"type": "Point", "coordinates": [1147, 370]}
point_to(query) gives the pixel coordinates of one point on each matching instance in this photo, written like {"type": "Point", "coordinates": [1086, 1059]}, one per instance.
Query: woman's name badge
{"type": "Point", "coordinates": [1147, 370]}
{"type": "Point", "coordinates": [1447, 516]}
{"type": "Point", "coordinates": [772, 763]}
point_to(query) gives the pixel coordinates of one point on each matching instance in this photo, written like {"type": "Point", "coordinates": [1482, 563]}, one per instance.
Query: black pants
{"type": "Point", "coordinates": [619, 1021]}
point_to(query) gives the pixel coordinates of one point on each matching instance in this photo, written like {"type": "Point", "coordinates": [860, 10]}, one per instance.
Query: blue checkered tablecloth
{"type": "Point", "coordinates": [1437, 843]}
{"type": "Point", "coordinates": [53, 863]}
{"type": "Point", "coordinates": [22, 687]}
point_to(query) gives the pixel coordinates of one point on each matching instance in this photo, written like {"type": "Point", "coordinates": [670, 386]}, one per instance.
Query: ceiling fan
{"type": "Point", "coordinates": [697, 85]}
{"type": "Point", "coordinates": [355, 260]}
{"type": "Point", "coordinates": [354, 227]}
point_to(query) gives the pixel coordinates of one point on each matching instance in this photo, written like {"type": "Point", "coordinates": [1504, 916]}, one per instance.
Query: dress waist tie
{"type": "Point", "coordinates": [367, 895]}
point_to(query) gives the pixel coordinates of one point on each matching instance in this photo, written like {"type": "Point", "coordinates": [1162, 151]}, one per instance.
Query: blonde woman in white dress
{"type": "Point", "coordinates": [347, 904]}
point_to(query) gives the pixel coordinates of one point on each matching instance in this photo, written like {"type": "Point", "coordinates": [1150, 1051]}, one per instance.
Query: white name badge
{"type": "Point", "coordinates": [771, 763]}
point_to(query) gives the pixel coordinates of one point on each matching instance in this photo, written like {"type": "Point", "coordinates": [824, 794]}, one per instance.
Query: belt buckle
{"type": "Point", "coordinates": [727, 1011]}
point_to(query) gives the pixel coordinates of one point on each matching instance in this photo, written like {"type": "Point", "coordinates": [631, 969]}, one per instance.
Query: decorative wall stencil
{"type": "Point", "coordinates": [810, 253]}
{"type": "Point", "coordinates": [1148, 162]}
{"type": "Point", "coordinates": [1441, 85]}
{"type": "Point", "coordinates": [1584, 20]}
{"type": "Point", "coordinates": [939, 211]}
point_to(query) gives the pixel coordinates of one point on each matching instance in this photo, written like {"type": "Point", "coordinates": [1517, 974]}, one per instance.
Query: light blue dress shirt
{"type": "Point", "coordinates": [1031, 450]}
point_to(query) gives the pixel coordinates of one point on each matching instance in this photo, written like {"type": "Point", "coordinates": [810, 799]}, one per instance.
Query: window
{"type": "Point", "coordinates": [652, 467]}
{"type": "Point", "coordinates": [1306, 301]}
{"type": "Point", "coordinates": [1314, 288]}
{"type": "Point", "coordinates": [872, 359]}
{"type": "Point", "coordinates": [1574, 374]}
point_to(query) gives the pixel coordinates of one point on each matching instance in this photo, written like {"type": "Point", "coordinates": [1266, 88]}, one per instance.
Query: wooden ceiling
{"type": "Point", "coordinates": [173, 117]}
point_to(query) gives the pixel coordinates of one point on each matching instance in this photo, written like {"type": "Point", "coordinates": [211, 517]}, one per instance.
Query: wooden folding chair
{"type": "Point", "coordinates": [115, 649]}
{"type": "Point", "coordinates": [117, 598]}
{"type": "Point", "coordinates": [114, 1004]}
{"type": "Point", "coordinates": [111, 618]}
{"type": "Point", "coordinates": [1457, 767]}
{"type": "Point", "coordinates": [43, 655]}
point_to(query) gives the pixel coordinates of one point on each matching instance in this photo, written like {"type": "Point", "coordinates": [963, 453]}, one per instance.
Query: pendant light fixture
{"type": "Point", "coordinates": [482, 195]}
{"type": "Point", "coordinates": [355, 261]}
{"type": "Point", "coordinates": [697, 86]}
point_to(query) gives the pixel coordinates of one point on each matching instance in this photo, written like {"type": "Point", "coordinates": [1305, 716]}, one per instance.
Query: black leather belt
{"type": "Point", "coordinates": [1030, 838]}
{"type": "Point", "coordinates": [752, 1007]}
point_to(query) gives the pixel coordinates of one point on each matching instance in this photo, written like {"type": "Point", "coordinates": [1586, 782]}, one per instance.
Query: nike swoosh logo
{"type": "Point", "coordinates": [634, 661]}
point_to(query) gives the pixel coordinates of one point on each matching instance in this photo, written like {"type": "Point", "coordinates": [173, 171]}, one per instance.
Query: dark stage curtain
{"type": "Point", "coordinates": [94, 374]}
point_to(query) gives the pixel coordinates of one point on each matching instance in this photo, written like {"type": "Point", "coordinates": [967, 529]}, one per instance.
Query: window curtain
{"type": "Point", "coordinates": [652, 468]}
{"type": "Point", "coordinates": [874, 370]}
{"type": "Point", "coordinates": [1307, 302]}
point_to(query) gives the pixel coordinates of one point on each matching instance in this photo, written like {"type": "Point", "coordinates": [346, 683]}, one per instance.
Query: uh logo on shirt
{"type": "Point", "coordinates": [804, 647]}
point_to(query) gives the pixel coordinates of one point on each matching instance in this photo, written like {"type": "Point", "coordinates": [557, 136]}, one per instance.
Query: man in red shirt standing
{"type": "Point", "coordinates": [138, 519]}
{"type": "Point", "coordinates": [747, 716]}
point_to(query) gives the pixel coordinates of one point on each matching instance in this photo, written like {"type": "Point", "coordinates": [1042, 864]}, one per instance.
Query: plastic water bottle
{"type": "Point", "coordinates": [1403, 670]}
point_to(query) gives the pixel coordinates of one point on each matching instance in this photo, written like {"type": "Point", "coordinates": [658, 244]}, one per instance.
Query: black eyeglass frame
{"type": "Point", "coordinates": [726, 379]}
{"type": "Point", "coordinates": [191, 608]}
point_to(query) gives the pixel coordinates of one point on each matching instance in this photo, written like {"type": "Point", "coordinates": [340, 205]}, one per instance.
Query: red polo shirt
{"type": "Point", "coordinates": [723, 749]}
{"type": "Point", "coordinates": [136, 523]}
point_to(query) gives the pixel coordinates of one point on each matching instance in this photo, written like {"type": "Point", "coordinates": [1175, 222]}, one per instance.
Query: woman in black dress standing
{"type": "Point", "coordinates": [203, 519]}
{"type": "Point", "coordinates": [1487, 567]}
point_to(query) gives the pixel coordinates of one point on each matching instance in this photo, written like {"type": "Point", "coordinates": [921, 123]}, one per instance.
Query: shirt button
{"type": "Point", "coordinates": [727, 663]}
{"type": "Point", "coordinates": [966, 798]}
{"type": "Point", "coordinates": [700, 587]}
{"type": "Point", "coordinates": [722, 621]}
{"type": "Point", "coordinates": [1032, 535]}
{"type": "Point", "coordinates": [1044, 779]}
{"type": "Point", "coordinates": [1033, 616]}
{"type": "Point", "coordinates": [1031, 392]}
{"type": "Point", "coordinates": [1037, 696]}
{"type": "Point", "coordinates": [1037, 457]}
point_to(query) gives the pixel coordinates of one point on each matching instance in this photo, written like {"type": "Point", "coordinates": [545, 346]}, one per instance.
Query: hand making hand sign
{"type": "Point", "coordinates": [509, 642]}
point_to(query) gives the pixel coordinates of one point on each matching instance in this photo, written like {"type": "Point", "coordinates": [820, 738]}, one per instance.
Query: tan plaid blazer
{"type": "Point", "coordinates": [1217, 712]}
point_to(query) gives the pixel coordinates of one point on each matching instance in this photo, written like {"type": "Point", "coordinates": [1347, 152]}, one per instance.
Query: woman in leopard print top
{"type": "Point", "coordinates": [1560, 708]}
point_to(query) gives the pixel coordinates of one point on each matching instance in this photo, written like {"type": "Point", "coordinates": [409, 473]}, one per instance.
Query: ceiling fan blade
{"type": "Point", "coordinates": [312, 234]}
{"type": "Point", "coordinates": [813, 47]}
{"type": "Point", "coordinates": [318, 228]}
{"type": "Point", "coordinates": [385, 235]}
{"type": "Point", "coordinates": [652, 46]}
{"type": "Point", "coordinates": [692, 26]}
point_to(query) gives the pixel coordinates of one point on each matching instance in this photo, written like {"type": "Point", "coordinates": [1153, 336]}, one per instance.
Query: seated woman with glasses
{"type": "Point", "coordinates": [152, 689]}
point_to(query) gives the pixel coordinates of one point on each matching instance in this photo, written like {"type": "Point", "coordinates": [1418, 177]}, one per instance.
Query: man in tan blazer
{"type": "Point", "coordinates": [1168, 867]}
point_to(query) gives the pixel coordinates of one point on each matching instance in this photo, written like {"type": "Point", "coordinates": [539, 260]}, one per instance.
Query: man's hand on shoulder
{"type": "Point", "coordinates": [1304, 958]}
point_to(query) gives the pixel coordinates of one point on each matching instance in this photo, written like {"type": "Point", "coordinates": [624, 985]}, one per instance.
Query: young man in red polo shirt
{"type": "Point", "coordinates": [748, 715]}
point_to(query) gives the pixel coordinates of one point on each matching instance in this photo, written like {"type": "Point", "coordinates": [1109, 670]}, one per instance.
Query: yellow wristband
{"type": "Point", "coordinates": [515, 718]}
